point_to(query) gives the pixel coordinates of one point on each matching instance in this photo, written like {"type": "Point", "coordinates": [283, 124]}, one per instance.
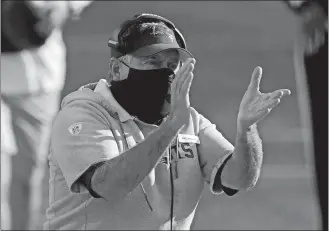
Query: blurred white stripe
{"type": "Point", "coordinates": [5, 194]}
{"type": "Point", "coordinates": [8, 142]}
{"type": "Point", "coordinates": [30, 71]}
{"type": "Point", "coordinates": [303, 101]}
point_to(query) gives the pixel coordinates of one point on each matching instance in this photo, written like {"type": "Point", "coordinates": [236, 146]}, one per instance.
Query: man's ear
{"type": "Point", "coordinates": [114, 69]}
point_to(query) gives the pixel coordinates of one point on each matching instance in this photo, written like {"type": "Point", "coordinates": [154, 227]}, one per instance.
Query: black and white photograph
{"type": "Point", "coordinates": [164, 115]}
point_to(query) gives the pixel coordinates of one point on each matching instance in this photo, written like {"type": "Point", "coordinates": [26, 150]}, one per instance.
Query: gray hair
{"type": "Point", "coordinates": [125, 58]}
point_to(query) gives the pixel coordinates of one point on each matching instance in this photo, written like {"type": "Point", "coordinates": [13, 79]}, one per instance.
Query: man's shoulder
{"type": "Point", "coordinates": [194, 113]}
{"type": "Point", "coordinates": [196, 116]}
{"type": "Point", "coordinates": [80, 111]}
{"type": "Point", "coordinates": [84, 100]}
{"type": "Point", "coordinates": [199, 120]}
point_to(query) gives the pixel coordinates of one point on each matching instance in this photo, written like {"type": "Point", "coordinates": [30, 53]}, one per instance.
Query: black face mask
{"type": "Point", "coordinates": [144, 92]}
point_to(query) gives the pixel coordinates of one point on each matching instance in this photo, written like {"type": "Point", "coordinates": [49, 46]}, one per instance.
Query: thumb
{"type": "Point", "coordinates": [255, 79]}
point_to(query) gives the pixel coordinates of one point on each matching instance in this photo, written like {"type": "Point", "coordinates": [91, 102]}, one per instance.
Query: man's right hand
{"type": "Point", "coordinates": [180, 102]}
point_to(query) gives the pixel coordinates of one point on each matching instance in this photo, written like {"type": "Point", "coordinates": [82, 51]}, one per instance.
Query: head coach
{"type": "Point", "coordinates": [129, 152]}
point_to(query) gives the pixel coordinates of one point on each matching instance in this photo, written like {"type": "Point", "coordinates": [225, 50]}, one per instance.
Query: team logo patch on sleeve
{"type": "Point", "coordinates": [75, 129]}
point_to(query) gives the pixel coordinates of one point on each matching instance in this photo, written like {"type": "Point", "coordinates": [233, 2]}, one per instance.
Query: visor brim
{"type": "Point", "coordinates": [157, 48]}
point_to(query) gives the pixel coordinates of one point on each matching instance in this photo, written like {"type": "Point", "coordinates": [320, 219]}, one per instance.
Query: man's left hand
{"type": "Point", "coordinates": [256, 105]}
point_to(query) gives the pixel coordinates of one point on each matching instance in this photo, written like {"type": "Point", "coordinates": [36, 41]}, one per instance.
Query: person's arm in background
{"type": "Point", "coordinates": [28, 24]}
{"type": "Point", "coordinates": [32, 31]}
{"type": "Point", "coordinates": [76, 8]}
{"type": "Point", "coordinates": [299, 6]}
{"type": "Point", "coordinates": [58, 12]}
{"type": "Point", "coordinates": [312, 20]}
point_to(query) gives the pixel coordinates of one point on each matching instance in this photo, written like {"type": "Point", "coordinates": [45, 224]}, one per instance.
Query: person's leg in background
{"type": "Point", "coordinates": [8, 148]}
{"type": "Point", "coordinates": [32, 117]}
{"type": "Point", "coordinates": [316, 67]}
{"type": "Point", "coordinates": [5, 184]}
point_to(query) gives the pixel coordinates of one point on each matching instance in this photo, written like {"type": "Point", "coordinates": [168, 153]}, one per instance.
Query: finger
{"type": "Point", "coordinates": [185, 65]}
{"type": "Point", "coordinates": [267, 96]}
{"type": "Point", "coordinates": [187, 85]}
{"type": "Point", "coordinates": [185, 75]}
{"type": "Point", "coordinates": [267, 109]}
{"type": "Point", "coordinates": [271, 104]}
{"type": "Point", "coordinates": [263, 113]}
{"type": "Point", "coordinates": [180, 73]}
{"type": "Point", "coordinates": [286, 92]}
{"type": "Point", "coordinates": [255, 78]}
{"type": "Point", "coordinates": [177, 77]}
{"type": "Point", "coordinates": [192, 60]}
{"type": "Point", "coordinates": [184, 93]}
{"type": "Point", "coordinates": [175, 93]}
{"type": "Point", "coordinates": [278, 94]}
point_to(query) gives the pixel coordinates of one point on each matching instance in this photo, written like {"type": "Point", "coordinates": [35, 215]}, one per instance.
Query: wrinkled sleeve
{"type": "Point", "coordinates": [214, 152]}
{"type": "Point", "coordinates": [80, 139]}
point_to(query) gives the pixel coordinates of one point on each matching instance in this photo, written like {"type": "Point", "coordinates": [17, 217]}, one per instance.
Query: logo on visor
{"type": "Point", "coordinates": [158, 30]}
{"type": "Point", "coordinates": [172, 38]}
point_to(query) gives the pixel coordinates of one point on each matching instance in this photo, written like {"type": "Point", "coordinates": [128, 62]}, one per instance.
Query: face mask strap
{"type": "Point", "coordinates": [125, 64]}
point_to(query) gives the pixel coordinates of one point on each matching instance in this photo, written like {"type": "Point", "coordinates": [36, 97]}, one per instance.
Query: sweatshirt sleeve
{"type": "Point", "coordinates": [80, 139]}
{"type": "Point", "coordinates": [214, 151]}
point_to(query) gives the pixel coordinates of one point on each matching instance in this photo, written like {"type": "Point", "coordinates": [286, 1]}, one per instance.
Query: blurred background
{"type": "Point", "coordinates": [228, 39]}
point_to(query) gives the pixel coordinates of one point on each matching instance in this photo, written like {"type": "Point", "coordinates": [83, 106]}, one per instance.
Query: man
{"type": "Point", "coordinates": [311, 67]}
{"type": "Point", "coordinates": [33, 64]}
{"type": "Point", "coordinates": [129, 152]}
